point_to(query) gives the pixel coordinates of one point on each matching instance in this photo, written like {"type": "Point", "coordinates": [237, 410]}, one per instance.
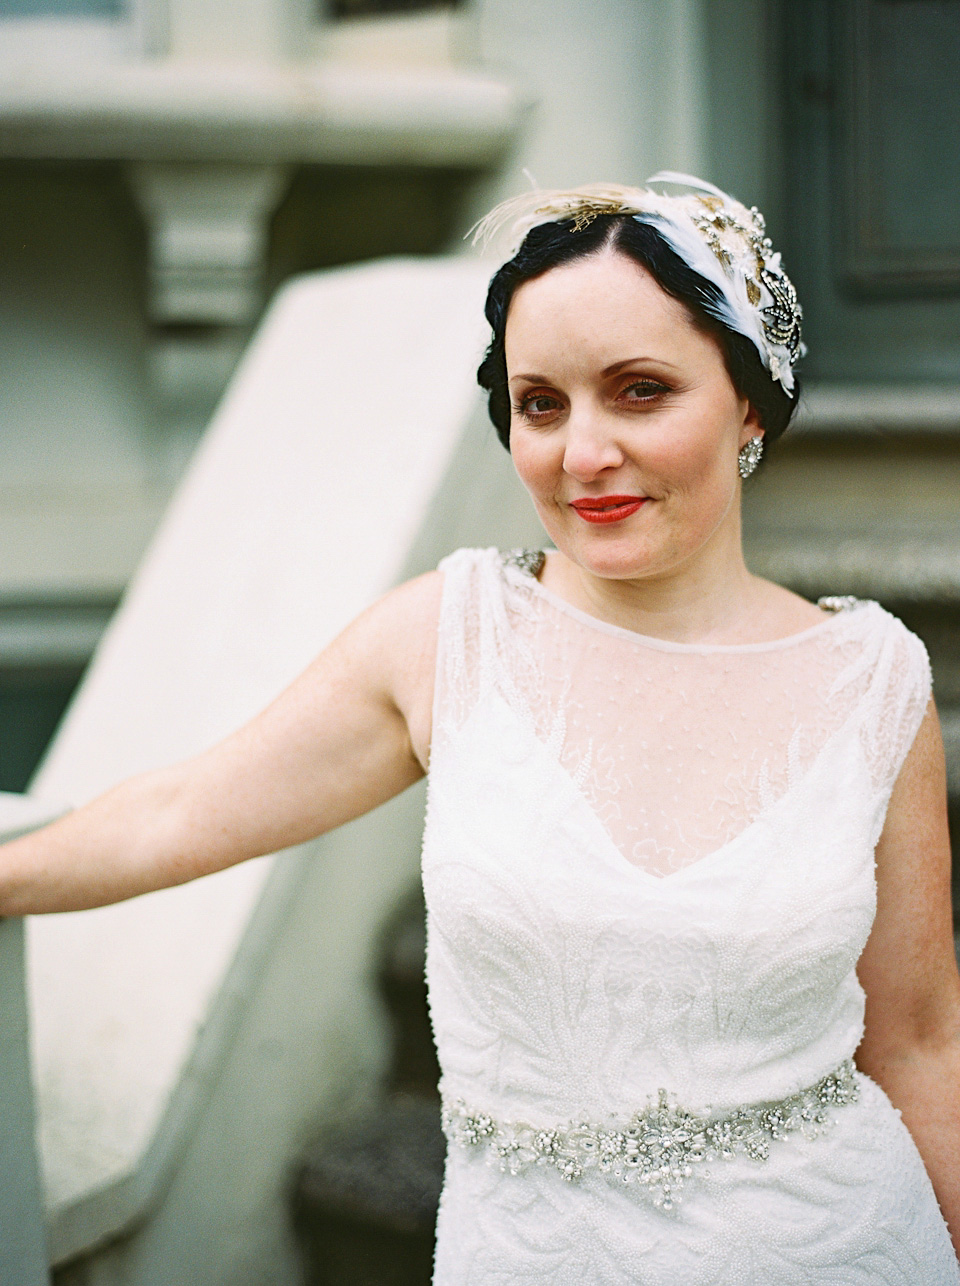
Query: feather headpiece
{"type": "Point", "coordinates": [716, 236]}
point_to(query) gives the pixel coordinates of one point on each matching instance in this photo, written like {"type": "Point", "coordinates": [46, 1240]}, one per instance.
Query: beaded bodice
{"type": "Point", "coordinates": [650, 865]}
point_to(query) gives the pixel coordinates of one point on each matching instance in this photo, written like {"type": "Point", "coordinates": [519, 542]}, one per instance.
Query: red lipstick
{"type": "Point", "coordinates": [602, 509]}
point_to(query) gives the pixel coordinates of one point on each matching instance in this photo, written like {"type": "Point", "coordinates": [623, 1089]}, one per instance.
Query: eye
{"type": "Point", "coordinates": [537, 407]}
{"type": "Point", "coordinates": [642, 391]}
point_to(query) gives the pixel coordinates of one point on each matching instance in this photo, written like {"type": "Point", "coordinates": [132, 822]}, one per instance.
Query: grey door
{"type": "Point", "coordinates": [872, 185]}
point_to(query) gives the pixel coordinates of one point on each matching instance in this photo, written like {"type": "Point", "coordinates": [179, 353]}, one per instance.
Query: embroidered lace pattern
{"type": "Point", "coordinates": [651, 865]}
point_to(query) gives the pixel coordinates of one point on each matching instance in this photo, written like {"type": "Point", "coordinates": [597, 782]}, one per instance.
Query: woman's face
{"type": "Point", "coordinates": [625, 425]}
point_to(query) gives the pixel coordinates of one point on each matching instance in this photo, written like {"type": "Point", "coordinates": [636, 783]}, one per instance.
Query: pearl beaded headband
{"type": "Point", "coordinates": [714, 234]}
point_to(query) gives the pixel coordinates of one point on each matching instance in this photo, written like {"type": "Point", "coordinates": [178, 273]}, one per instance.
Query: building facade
{"type": "Point", "coordinates": [166, 168]}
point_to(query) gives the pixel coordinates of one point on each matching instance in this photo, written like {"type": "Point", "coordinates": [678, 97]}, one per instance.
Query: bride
{"type": "Point", "coordinates": [686, 862]}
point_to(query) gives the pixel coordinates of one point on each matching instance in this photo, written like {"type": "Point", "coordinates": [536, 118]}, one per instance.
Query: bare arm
{"type": "Point", "coordinates": [348, 735]}
{"type": "Point", "coordinates": [908, 970]}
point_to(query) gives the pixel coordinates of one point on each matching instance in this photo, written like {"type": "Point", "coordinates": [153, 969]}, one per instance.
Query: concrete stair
{"type": "Point", "coordinates": [365, 1198]}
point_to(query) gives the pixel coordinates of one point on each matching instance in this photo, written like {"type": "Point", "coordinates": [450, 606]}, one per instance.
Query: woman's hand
{"type": "Point", "coordinates": [908, 970]}
{"type": "Point", "coordinates": [349, 734]}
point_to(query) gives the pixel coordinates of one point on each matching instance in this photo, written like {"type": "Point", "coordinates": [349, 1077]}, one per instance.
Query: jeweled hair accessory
{"type": "Point", "coordinates": [714, 234]}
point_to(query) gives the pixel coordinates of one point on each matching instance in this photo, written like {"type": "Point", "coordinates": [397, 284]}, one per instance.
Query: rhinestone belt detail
{"type": "Point", "coordinates": [661, 1144]}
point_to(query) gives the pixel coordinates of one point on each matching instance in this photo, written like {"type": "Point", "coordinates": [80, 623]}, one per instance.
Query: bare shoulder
{"type": "Point", "coordinates": [414, 603]}
{"type": "Point", "coordinates": [396, 638]}
{"type": "Point", "coordinates": [782, 612]}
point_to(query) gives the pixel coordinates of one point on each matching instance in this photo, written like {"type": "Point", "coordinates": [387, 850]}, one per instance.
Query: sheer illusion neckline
{"type": "Point", "coordinates": [667, 645]}
{"type": "Point", "coordinates": [675, 747]}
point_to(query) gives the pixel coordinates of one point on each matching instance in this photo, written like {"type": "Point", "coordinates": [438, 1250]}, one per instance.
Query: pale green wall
{"type": "Point", "coordinates": [77, 439]}
{"type": "Point", "coordinates": [615, 89]}
{"type": "Point", "coordinates": [86, 461]}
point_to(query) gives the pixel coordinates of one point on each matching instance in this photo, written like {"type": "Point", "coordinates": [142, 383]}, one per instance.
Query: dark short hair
{"type": "Point", "coordinates": [550, 244]}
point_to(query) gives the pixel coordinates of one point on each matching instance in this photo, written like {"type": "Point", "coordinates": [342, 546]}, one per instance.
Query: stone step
{"type": "Point", "coordinates": [414, 1068]}
{"type": "Point", "coordinates": [903, 568]}
{"type": "Point", "coordinates": [950, 723]}
{"type": "Point", "coordinates": [365, 1202]}
{"type": "Point", "coordinates": [871, 411]}
{"type": "Point", "coordinates": [365, 1199]}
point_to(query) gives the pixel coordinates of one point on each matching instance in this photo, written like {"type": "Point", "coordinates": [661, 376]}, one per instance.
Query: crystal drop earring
{"type": "Point", "coordinates": [749, 456]}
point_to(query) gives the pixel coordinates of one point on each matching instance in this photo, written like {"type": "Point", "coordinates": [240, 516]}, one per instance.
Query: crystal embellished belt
{"type": "Point", "coordinates": [660, 1145]}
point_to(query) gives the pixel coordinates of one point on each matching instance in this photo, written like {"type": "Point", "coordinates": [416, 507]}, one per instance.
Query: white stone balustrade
{"type": "Point", "coordinates": [23, 1252]}
{"type": "Point", "coordinates": [188, 1043]}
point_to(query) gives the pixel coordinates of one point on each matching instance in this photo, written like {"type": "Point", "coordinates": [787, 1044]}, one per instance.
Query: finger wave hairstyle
{"type": "Point", "coordinates": [551, 244]}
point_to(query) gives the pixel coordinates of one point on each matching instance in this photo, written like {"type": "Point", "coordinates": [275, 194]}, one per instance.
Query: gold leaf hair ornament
{"type": "Point", "coordinates": [714, 234]}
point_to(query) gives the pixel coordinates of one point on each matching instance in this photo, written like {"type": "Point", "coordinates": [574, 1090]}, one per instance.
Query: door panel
{"type": "Point", "coordinates": [873, 185]}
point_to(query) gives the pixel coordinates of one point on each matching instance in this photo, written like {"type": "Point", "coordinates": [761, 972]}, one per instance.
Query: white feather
{"type": "Point", "coordinates": [674, 218]}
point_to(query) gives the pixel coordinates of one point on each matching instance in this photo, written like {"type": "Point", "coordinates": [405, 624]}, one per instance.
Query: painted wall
{"type": "Point", "coordinates": [615, 89]}
{"type": "Point", "coordinates": [82, 472]}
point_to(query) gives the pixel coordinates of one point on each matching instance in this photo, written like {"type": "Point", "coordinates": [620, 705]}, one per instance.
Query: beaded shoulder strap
{"type": "Point", "coordinates": [528, 561]}
{"type": "Point", "coordinates": [840, 602]}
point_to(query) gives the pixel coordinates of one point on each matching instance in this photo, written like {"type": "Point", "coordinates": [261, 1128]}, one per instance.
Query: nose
{"type": "Point", "coordinates": [591, 446]}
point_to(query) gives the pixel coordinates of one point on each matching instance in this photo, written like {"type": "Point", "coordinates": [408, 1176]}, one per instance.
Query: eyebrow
{"type": "Point", "coordinates": [615, 369]}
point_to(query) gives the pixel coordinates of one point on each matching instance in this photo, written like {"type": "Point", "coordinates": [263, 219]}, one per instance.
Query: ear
{"type": "Point", "coordinates": [751, 428]}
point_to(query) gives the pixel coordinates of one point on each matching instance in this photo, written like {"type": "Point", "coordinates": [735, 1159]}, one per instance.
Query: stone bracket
{"type": "Point", "coordinates": [207, 228]}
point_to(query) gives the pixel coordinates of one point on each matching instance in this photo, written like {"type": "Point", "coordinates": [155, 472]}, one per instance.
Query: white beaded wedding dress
{"type": "Point", "coordinates": [649, 866]}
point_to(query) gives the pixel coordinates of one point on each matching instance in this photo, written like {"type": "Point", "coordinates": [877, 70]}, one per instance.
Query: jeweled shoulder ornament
{"type": "Point", "coordinates": [714, 234]}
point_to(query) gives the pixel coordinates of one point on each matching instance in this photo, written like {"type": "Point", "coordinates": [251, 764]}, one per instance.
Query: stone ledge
{"type": "Point", "coordinates": [867, 409]}
{"type": "Point", "coordinates": [179, 110]}
{"type": "Point", "coordinates": [950, 724]}
{"type": "Point", "coordinates": [52, 633]}
{"type": "Point", "coordinates": [908, 570]}
{"type": "Point", "coordinates": [77, 546]}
